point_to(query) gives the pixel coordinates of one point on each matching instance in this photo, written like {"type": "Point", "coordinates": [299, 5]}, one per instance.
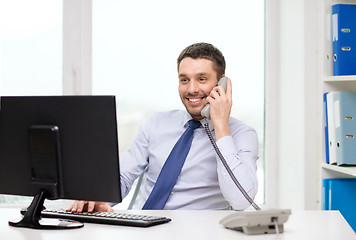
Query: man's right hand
{"type": "Point", "coordinates": [89, 206]}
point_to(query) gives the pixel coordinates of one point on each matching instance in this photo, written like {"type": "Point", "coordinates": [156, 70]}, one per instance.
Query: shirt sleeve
{"type": "Point", "coordinates": [134, 161]}
{"type": "Point", "coordinates": [240, 151]}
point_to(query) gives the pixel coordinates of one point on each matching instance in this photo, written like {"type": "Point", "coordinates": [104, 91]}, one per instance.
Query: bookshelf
{"type": "Point", "coordinates": [340, 79]}
{"type": "Point", "coordinates": [346, 172]}
{"type": "Point", "coordinates": [328, 82]}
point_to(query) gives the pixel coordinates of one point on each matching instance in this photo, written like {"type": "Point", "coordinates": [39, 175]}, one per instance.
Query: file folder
{"type": "Point", "coordinates": [326, 134]}
{"type": "Point", "coordinates": [344, 39]}
{"type": "Point", "coordinates": [331, 128]}
{"type": "Point", "coordinates": [340, 194]}
{"type": "Point", "coordinates": [345, 127]}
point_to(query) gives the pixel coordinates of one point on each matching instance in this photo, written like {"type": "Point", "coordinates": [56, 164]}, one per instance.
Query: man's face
{"type": "Point", "coordinates": [196, 80]}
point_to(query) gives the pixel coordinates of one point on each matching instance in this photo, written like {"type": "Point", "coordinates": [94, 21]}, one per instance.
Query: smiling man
{"type": "Point", "coordinates": [202, 181]}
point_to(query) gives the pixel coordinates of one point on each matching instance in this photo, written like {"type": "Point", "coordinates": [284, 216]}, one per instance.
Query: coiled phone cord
{"type": "Point", "coordinates": [228, 169]}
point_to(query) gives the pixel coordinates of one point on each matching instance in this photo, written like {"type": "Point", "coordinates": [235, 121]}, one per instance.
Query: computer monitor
{"type": "Point", "coordinates": [58, 147]}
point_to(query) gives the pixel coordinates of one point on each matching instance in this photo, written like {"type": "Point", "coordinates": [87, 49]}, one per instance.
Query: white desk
{"type": "Point", "coordinates": [186, 225]}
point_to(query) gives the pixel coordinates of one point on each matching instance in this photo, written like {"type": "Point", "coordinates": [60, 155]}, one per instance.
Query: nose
{"type": "Point", "coordinates": [193, 87]}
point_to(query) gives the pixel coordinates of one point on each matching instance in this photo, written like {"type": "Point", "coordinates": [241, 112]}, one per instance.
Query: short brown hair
{"type": "Point", "coordinates": [207, 51]}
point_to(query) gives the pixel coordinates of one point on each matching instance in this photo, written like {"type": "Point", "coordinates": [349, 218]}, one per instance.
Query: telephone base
{"type": "Point", "coordinates": [257, 222]}
{"type": "Point", "coordinates": [256, 230]}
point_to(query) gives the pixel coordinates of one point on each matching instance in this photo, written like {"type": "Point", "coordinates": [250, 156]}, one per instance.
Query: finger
{"type": "Point", "coordinates": [91, 206]}
{"type": "Point", "coordinates": [109, 208]}
{"type": "Point", "coordinates": [218, 94]}
{"type": "Point", "coordinates": [215, 93]}
{"type": "Point", "coordinates": [209, 99]}
{"type": "Point", "coordinates": [229, 89]}
{"type": "Point", "coordinates": [220, 90]}
{"type": "Point", "coordinates": [80, 206]}
{"type": "Point", "coordinates": [69, 209]}
{"type": "Point", "coordinates": [104, 207]}
{"type": "Point", "coordinates": [74, 207]}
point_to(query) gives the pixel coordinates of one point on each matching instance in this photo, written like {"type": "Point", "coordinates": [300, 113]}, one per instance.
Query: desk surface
{"type": "Point", "coordinates": [187, 225]}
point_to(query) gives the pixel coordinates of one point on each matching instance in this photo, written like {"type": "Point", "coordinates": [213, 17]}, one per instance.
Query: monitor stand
{"type": "Point", "coordinates": [32, 217]}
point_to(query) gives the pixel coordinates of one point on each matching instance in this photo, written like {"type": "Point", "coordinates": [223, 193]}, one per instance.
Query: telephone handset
{"type": "Point", "coordinates": [205, 112]}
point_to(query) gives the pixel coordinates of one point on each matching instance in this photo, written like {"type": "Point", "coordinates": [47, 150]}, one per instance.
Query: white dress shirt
{"type": "Point", "coordinates": [203, 182]}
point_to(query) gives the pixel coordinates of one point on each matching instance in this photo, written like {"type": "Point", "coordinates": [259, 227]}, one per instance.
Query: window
{"type": "Point", "coordinates": [30, 52]}
{"type": "Point", "coordinates": [136, 44]}
{"type": "Point", "coordinates": [135, 47]}
{"type": "Point", "coordinates": [30, 47]}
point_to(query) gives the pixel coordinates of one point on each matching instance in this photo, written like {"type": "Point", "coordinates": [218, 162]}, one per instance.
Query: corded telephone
{"type": "Point", "coordinates": [206, 114]}
{"type": "Point", "coordinates": [259, 222]}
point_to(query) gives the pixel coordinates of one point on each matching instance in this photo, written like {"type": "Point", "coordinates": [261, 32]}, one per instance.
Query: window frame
{"type": "Point", "coordinates": [77, 75]}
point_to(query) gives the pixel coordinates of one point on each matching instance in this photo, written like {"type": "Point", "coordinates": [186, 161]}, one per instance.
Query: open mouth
{"type": "Point", "coordinates": [195, 100]}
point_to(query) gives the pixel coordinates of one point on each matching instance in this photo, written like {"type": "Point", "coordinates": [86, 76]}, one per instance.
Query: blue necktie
{"type": "Point", "coordinates": [171, 169]}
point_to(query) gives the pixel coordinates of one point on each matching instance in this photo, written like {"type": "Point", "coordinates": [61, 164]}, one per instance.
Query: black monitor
{"type": "Point", "coordinates": [58, 147]}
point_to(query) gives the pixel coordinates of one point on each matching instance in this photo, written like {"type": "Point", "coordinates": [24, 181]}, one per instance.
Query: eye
{"type": "Point", "coordinates": [183, 80]}
{"type": "Point", "coordinates": [202, 79]}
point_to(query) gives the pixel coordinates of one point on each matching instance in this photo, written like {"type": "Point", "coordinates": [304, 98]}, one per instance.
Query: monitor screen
{"type": "Point", "coordinates": [64, 147]}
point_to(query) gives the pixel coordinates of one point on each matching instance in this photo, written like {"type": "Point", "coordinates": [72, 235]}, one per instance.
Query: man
{"type": "Point", "coordinates": [203, 182]}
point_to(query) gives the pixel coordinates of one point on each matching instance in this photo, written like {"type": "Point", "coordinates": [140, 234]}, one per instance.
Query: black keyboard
{"type": "Point", "coordinates": [107, 218]}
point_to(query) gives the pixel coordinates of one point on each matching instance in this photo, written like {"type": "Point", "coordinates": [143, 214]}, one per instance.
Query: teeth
{"type": "Point", "coordinates": [194, 99]}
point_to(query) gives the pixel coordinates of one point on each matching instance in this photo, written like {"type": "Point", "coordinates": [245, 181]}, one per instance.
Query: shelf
{"type": "Point", "coordinates": [336, 79]}
{"type": "Point", "coordinates": [351, 171]}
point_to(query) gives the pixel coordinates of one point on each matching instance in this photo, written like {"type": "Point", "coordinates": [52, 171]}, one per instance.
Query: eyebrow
{"type": "Point", "coordinates": [182, 75]}
{"type": "Point", "coordinates": [203, 74]}
{"type": "Point", "coordinates": [198, 74]}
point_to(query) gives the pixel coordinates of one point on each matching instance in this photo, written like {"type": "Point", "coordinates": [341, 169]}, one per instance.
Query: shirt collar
{"type": "Point", "coordinates": [187, 117]}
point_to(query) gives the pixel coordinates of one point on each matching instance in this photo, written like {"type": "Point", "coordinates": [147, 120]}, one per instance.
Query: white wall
{"type": "Point", "coordinates": [291, 104]}
{"type": "Point", "coordinates": [291, 72]}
